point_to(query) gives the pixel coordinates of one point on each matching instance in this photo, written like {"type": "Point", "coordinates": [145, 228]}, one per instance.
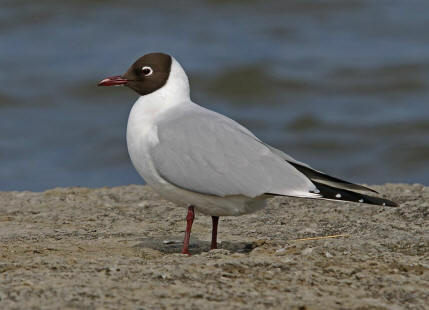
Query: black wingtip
{"type": "Point", "coordinates": [329, 192]}
{"type": "Point", "coordinates": [320, 177]}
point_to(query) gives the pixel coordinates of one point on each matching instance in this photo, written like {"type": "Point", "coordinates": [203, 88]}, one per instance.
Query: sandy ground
{"type": "Point", "coordinates": [116, 248]}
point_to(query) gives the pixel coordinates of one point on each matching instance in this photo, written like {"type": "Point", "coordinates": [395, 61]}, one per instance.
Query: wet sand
{"type": "Point", "coordinates": [117, 248]}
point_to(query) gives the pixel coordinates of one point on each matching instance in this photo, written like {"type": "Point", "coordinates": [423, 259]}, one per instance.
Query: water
{"type": "Point", "coordinates": [341, 85]}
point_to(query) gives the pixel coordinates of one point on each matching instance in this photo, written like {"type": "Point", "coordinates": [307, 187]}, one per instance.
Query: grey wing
{"type": "Point", "coordinates": [205, 152]}
{"type": "Point", "coordinates": [311, 173]}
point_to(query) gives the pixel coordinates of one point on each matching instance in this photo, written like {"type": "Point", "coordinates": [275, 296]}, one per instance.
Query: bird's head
{"type": "Point", "coordinates": [146, 75]}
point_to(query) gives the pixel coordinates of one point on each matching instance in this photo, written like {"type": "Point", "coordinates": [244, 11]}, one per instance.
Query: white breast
{"type": "Point", "coordinates": [141, 136]}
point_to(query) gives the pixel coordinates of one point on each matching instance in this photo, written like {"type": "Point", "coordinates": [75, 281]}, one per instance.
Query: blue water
{"type": "Point", "coordinates": [341, 85]}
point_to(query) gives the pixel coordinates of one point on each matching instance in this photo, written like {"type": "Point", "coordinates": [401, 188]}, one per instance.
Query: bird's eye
{"type": "Point", "coordinates": [147, 70]}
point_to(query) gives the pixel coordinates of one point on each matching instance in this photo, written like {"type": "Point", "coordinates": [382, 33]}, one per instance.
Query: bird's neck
{"type": "Point", "coordinates": [174, 92]}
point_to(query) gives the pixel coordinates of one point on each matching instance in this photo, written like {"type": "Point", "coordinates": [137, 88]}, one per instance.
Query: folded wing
{"type": "Point", "coordinates": [205, 152]}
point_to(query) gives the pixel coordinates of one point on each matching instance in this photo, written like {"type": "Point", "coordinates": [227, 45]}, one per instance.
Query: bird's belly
{"type": "Point", "coordinates": [209, 204]}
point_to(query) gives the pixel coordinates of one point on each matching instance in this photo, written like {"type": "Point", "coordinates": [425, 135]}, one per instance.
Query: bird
{"type": "Point", "coordinates": [206, 162]}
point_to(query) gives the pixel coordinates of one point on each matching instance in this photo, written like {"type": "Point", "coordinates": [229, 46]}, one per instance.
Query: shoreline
{"type": "Point", "coordinates": [117, 248]}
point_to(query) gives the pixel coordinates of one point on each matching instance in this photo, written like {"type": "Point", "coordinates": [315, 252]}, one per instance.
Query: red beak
{"type": "Point", "coordinates": [113, 81]}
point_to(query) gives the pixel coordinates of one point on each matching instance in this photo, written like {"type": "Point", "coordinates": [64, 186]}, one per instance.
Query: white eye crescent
{"type": "Point", "coordinates": [147, 70]}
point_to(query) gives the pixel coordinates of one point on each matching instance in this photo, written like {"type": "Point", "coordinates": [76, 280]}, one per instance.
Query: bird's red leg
{"type": "Point", "coordinates": [189, 220]}
{"type": "Point", "coordinates": [215, 220]}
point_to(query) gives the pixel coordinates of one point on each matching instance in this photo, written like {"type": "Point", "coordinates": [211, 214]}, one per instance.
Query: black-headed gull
{"type": "Point", "coordinates": [207, 162]}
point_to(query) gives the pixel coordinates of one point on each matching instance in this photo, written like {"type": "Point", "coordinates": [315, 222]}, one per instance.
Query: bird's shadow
{"type": "Point", "coordinates": [173, 244]}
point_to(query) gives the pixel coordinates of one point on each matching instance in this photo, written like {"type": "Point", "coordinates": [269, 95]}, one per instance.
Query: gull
{"type": "Point", "coordinates": [207, 162]}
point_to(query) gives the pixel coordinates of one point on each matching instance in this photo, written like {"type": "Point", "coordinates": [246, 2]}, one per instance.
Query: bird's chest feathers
{"type": "Point", "coordinates": [142, 124]}
{"type": "Point", "coordinates": [142, 135]}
